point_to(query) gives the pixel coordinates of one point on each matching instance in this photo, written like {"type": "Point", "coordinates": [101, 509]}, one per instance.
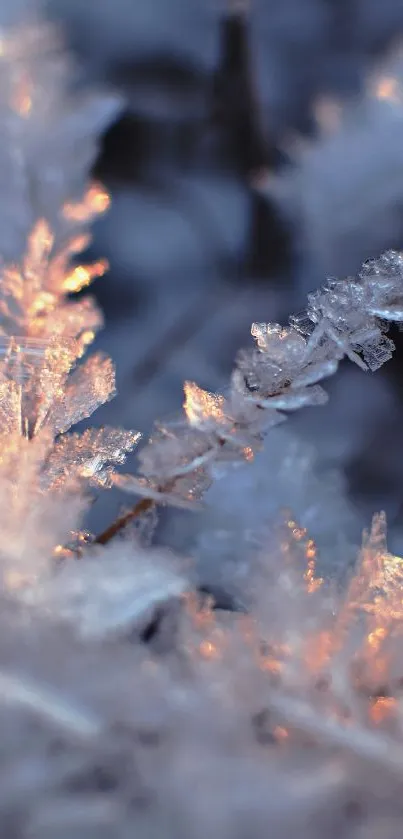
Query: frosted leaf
{"type": "Point", "coordinates": [283, 345]}
{"type": "Point", "coordinates": [377, 353]}
{"type": "Point", "coordinates": [53, 333]}
{"type": "Point", "coordinates": [49, 139]}
{"type": "Point", "coordinates": [249, 421]}
{"type": "Point", "coordinates": [282, 353]}
{"type": "Point", "coordinates": [280, 374]}
{"type": "Point", "coordinates": [270, 374]}
{"type": "Point", "coordinates": [172, 451]}
{"type": "Point", "coordinates": [369, 577]}
{"type": "Point", "coordinates": [302, 323]}
{"type": "Point", "coordinates": [284, 356]}
{"type": "Point", "coordinates": [176, 464]}
{"type": "Point", "coordinates": [40, 370]}
{"type": "Point", "coordinates": [36, 396]}
{"type": "Point", "coordinates": [259, 374]}
{"type": "Point", "coordinates": [352, 313]}
{"type": "Point", "coordinates": [232, 420]}
{"type": "Point", "coordinates": [31, 295]}
{"type": "Point", "coordinates": [372, 607]}
{"type": "Point", "coordinates": [233, 423]}
{"type": "Point", "coordinates": [203, 409]}
{"type": "Point", "coordinates": [89, 386]}
{"type": "Point", "coordinates": [80, 318]}
{"type": "Point", "coordinates": [10, 407]}
{"type": "Point", "coordinates": [88, 456]}
{"type": "Point", "coordinates": [44, 389]}
{"type": "Point", "coordinates": [386, 271]}
{"type": "Point", "coordinates": [343, 318]}
{"type": "Point", "coordinates": [340, 304]}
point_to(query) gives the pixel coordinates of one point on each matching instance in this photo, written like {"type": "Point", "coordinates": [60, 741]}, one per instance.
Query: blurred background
{"type": "Point", "coordinates": [217, 218]}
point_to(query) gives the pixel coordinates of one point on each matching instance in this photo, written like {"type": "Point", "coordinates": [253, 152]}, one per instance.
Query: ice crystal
{"type": "Point", "coordinates": [286, 720]}
{"type": "Point", "coordinates": [347, 318]}
{"type": "Point", "coordinates": [342, 644]}
{"type": "Point", "coordinates": [37, 362]}
{"type": "Point", "coordinates": [49, 140]}
{"type": "Point", "coordinates": [243, 705]}
{"type": "Point", "coordinates": [88, 455]}
{"type": "Point", "coordinates": [43, 331]}
{"type": "Point", "coordinates": [34, 301]}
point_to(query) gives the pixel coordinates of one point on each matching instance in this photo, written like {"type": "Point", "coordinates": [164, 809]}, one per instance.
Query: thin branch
{"type": "Point", "coordinates": [122, 522]}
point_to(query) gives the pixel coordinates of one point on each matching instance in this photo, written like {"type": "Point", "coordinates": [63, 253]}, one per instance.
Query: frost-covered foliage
{"type": "Point", "coordinates": [128, 704]}
{"type": "Point", "coordinates": [276, 722]}
{"type": "Point", "coordinates": [241, 509]}
{"type": "Point", "coordinates": [280, 374]}
{"type": "Point", "coordinates": [345, 190]}
{"type": "Point", "coordinates": [43, 332]}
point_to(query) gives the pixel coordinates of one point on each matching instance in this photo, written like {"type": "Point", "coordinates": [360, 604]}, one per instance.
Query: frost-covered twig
{"type": "Point", "coordinates": [123, 521]}
{"type": "Point", "coordinates": [347, 318]}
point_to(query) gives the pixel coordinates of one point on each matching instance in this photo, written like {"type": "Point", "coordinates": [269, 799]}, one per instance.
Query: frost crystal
{"type": "Point", "coordinates": [347, 318]}
{"type": "Point", "coordinates": [286, 720]}
{"type": "Point", "coordinates": [49, 141]}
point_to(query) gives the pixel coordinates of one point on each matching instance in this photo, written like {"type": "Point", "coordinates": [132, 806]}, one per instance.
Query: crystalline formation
{"type": "Point", "coordinates": [49, 138]}
{"type": "Point", "coordinates": [347, 318]}
{"type": "Point", "coordinates": [282, 718]}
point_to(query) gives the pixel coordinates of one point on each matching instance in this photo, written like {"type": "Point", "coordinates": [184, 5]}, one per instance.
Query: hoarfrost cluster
{"type": "Point", "coordinates": [279, 375]}
{"type": "Point", "coordinates": [130, 703]}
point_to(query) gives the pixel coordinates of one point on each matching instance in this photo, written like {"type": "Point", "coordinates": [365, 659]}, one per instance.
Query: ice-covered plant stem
{"type": "Point", "coordinates": [346, 319]}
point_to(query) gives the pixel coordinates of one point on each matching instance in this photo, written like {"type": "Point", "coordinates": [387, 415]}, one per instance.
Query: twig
{"type": "Point", "coordinates": [122, 521]}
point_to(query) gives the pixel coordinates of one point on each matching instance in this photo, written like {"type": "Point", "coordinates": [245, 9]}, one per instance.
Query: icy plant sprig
{"type": "Point", "coordinates": [347, 318]}
{"type": "Point", "coordinates": [50, 132]}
